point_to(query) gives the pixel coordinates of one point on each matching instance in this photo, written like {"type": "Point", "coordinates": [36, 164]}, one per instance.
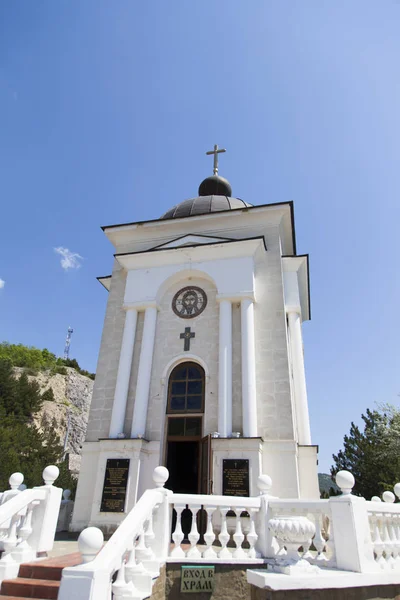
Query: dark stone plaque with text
{"type": "Point", "coordinates": [115, 482]}
{"type": "Point", "coordinates": [235, 477]}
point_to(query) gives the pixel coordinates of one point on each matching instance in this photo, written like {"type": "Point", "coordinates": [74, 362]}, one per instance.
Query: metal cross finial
{"type": "Point", "coordinates": [216, 151]}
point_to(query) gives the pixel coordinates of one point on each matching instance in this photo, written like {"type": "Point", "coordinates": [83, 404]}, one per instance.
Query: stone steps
{"type": "Point", "coordinates": [38, 579]}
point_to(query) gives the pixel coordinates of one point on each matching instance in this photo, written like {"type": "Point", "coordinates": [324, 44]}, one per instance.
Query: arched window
{"type": "Point", "coordinates": [186, 389]}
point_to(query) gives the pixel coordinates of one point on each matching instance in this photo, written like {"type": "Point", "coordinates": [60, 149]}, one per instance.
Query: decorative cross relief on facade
{"type": "Point", "coordinates": [187, 336]}
{"type": "Point", "coordinates": [189, 302]}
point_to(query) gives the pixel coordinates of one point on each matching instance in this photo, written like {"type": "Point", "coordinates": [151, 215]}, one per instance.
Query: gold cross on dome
{"type": "Point", "coordinates": [216, 151]}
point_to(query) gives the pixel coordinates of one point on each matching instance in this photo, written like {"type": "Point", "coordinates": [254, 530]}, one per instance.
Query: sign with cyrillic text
{"type": "Point", "coordinates": [197, 579]}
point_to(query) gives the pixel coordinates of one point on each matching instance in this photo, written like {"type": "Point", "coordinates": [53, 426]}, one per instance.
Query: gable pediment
{"type": "Point", "coordinates": [192, 240]}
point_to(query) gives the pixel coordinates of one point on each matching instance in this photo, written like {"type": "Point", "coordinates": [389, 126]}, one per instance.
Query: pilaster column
{"type": "Point", "coordinates": [124, 373]}
{"type": "Point", "coordinates": [225, 369]}
{"type": "Point", "coordinates": [144, 373]}
{"type": "Point", "coordinates": [249, 399]}
{"type": "Point", "coordinates": [299, 378]}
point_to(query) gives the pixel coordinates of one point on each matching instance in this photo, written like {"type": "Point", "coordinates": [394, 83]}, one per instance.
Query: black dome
{"type": "Point", "coordinates": [204, 204]}
{"type": "Point", "coordinates": [215, 185]}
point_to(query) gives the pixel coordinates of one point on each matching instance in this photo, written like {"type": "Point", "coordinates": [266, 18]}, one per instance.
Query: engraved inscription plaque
{"type": "Point", "coordinates": [115, 483]}
{"type": "Point", "coordinates": [197, 578]}
{"type": "Point", "coordinates": [235, 477]}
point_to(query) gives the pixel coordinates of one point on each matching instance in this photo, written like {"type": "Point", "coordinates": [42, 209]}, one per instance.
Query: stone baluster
{"type": "Point", "coordinates": [252, 536]}
{"type": "Point", "coordinates": [319, 540]}
{"type": "Point", "coordinates": [8, 565]}
{"type": "Point", "coordinates": [142, 551]}
{"type": "Point", "coordinates": [177, 536]}
{"type": "Point", "coordinates": [378, 542]}
{"type": "Point", "coordinates": [396, 528]}
{"type": "Point", "coordinates": [15, 482]}
{"type": "Point", "coordinates": [122, 588]}
{"type": "Point", "coordinates": [133, 566]}
{"type": "Point", "coordinates": [388, 497]}
{"type": "Point", "coordinates": [138, 574]}
{"type": "Point", "coordinates": [209, 535]}
{"type": "Point", "coordinates": [330, 544]}
{"type": "Point", "coordinates": [396, 541]}
{"type": "Point", "coordinates": [194, 533]}
{"type": "Point", "coordinates": [23, 552]}
{"type": "Point", "coordinates": [238, 536]}
{"type": "Point", "coordinates": [393, 540]}
{"type": "Point", "coordinates": [224, 536]}
{"type": "Point", "coordinates": [149, 534]}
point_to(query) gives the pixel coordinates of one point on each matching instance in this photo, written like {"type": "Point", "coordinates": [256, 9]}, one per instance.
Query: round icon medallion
{"type": "Point", "coordinates": [189, 302]}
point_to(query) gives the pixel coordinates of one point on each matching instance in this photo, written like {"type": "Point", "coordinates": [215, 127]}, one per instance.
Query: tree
{"type": "Point", "coordinates": [372, 455]}
{"type": "Point", "coordinates": [34, 359]}
{"type": "Point", "coordinates": [48, 395]}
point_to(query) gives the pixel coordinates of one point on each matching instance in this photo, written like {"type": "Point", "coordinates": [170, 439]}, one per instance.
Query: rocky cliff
{"type": "Point", "coordinates": [72, 393]}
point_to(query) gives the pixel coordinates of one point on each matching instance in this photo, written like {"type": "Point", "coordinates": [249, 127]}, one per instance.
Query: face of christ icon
{"type": "Point", "coordinates": [189, 302]}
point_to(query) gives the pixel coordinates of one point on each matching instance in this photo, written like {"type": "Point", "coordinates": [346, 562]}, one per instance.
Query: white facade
{"type": "Point", "coordinates": [248, 341]}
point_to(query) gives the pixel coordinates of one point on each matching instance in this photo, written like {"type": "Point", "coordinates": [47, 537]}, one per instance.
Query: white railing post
{"type": "Point", "coordinates": [45, 517]}
{"type": "Point", "coordinates": [264, 541]}
{"type": "Point", "coordinates": [353, 543]}
{"type": "Point", "coordinates": [162, 517]}
{"type": "Point", "coordinates": [78, 583]}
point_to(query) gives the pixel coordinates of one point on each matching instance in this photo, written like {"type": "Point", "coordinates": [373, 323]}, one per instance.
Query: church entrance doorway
{"type": "Point", "coordinates": [182, 464]}
{"type": "Point", "coordinates": [184, 440]}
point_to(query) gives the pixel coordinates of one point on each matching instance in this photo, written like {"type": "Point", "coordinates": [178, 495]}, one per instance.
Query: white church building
{"type": "Point", "coordinates": [201, 361]}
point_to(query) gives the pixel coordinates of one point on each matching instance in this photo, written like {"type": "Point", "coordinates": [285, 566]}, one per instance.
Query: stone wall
{"type": "Point", "coordinates": [107, 365]}
{"type": "Point", "coordinates": [373, 592]}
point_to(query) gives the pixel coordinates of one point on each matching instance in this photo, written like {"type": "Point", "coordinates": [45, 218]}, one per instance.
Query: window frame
{"type": "Point", "coordinates": [171, 381]}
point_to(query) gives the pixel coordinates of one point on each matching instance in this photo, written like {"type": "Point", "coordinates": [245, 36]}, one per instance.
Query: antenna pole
{"type": "Point", "coordinates": [68, 343]}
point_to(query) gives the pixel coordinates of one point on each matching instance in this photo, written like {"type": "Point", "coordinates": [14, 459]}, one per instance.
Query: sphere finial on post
{"type": "Point", "coordinates": [396, 490]}
{"type": "Point", "coordinates": [160, 476]}
{"type": "Point", "coordinates": [264, 484]}
{"type": "Point", "coordinates": [388, 497]}
{"type": "Point", "coordinates": [50, 474]}
{"type": "Point", "coordinates": [345, 481]}
{"type": "Point", "coordinates": [90, 542]}
{"type": "Point", "coordinates": [15, 480]}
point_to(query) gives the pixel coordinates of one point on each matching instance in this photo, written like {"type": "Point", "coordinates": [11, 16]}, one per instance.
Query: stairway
{"type": "Point", "coordinates": [39, 579]}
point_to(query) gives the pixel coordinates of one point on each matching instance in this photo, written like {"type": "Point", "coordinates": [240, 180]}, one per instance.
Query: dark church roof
{"type": "Point", "coordinates": [203, 205]}
{"type": "Point", "coordinates": [214, 196]}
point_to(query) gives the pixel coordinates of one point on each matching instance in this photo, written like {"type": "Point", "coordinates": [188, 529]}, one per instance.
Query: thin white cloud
{"type": "Point", "coordinates": [2, 283]}
{"type": "Point", "coordinates": [69, 260]}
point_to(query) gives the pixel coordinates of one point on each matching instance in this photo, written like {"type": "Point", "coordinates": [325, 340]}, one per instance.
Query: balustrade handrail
{"type": "Point", "coordinates": [19, 502]}
{"type": "Point", "coordinates": [110, 556]}
{"type": "Point", "coordinates": [204, 500]}
{"type": "Point", "coordinates": [382, 507]}
{"type": "Point", "coordinates": [309, 505]}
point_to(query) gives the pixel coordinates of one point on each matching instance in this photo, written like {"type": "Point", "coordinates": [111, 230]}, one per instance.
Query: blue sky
{"type": "Point", "coordinates": [106, 111]}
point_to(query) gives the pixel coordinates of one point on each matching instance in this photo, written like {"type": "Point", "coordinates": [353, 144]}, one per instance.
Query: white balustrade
{"type": "Point", "coordinates": [134, 552]}
{"type": "Point", "coordinates": [223, 538]}
{"type": "Point", "coordinates": [292, 535]}
{"type": "Point", "coordinates": [384, 521]}
{"type": "Point", "coordinates": [28, 520]}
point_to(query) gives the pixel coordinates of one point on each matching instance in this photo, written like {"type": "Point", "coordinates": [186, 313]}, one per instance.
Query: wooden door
{"type": "Point", "coordinates": [206, 483]}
